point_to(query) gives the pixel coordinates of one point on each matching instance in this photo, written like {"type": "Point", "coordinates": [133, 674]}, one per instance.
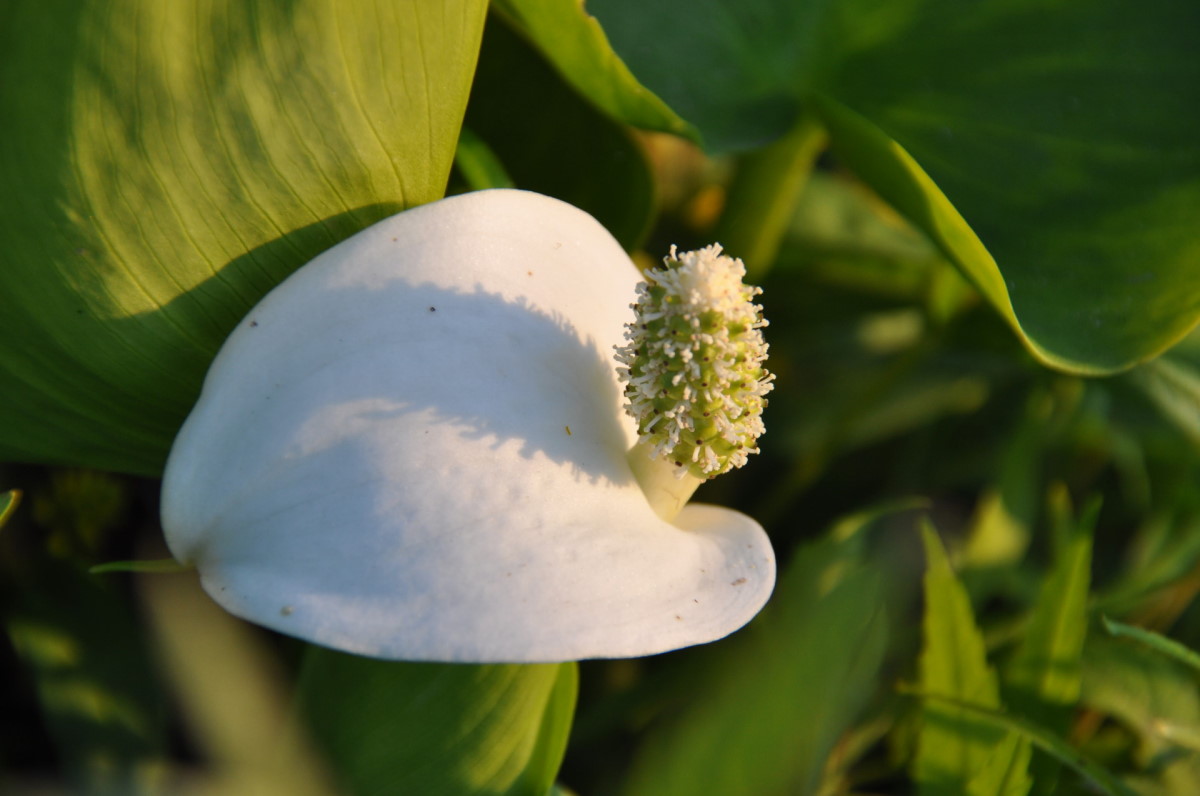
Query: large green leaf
{"type": "Point", "coordinates": [439, 729]}
{"type": "Point", "coordinates": [166, 164]}
{"type": "Point", "coordinates": [776, 701]}
{"type": "Point", "coordinates": [1047, 147]}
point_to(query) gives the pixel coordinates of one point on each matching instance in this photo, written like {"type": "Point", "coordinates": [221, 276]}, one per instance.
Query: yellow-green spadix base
{"type": "Point", "coordinates": [414, 448]}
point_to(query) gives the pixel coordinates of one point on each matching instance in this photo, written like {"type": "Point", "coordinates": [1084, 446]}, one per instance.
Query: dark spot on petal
{"type": "Point", "coordinates": [738, 582]}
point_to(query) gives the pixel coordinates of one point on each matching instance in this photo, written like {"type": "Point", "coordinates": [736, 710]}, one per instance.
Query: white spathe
{"type": "Point", "coordinates": [414, 448]}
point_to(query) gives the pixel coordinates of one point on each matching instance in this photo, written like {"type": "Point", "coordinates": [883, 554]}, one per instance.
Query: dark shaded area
{"type": "Point", "coordinates": [552, 141]}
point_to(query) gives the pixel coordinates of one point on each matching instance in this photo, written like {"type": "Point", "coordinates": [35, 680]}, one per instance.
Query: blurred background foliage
{"type": "Point", "coordinates": [957, 501]}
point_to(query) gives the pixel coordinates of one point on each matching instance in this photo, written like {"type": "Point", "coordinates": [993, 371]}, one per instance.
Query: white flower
{"type": "Point", "coordinates": [414, 448]}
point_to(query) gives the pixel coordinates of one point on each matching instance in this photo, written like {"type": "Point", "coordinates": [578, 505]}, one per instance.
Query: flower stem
{"type": "Point", "coordinates": [763, 195]}
{"type": "Point", "coordinates": [667, 492]}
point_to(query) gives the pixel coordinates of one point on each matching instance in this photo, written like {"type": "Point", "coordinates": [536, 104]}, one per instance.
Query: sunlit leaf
{"type": "Point", "coordinates": [1006, 772]}
{"type": "Point", "coordinates": [438, 729]}
{"type": "Point", "coordinates": [1046, 667]}
{"type": "Point", "coordinates": [954, 745]}
{"type": "Point", "coordinates": [168, 163]}
{"type": "Point", "coordinates": [1041, 738]}
{"type": "Point", "coordinates": [1045, 147]}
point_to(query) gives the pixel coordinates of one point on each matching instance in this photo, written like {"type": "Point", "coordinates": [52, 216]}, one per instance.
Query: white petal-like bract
{"type": "Point", "coordinates": [414, 448]}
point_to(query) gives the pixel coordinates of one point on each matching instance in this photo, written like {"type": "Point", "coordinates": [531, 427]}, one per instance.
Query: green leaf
{"type": "Point", "coordinates": [159, 566]}
{"type": "Point", "coordinates": [954, 746]}
{"type": "Point", "coordinates": [575, 43]}
{"type": "Point", "coordinates": [435, 729]}
{"type": "Point", "coordinates": [1163, 551]}
{"type": "Point", "coordinates": [837, 216]}
{"type": "Point", "coordinates": [778, 695]}
{"type": "Point", "coordinates": [1006, 772]}
{"type": "Point", "coordinates": [1150, 694]}
{"type": "Point", "coordinates": [763, 196]}
{"type": "Point", "coordinates": [1006, 512]}
{"type": "Point", "coordinates": [228, 686]}
{"type": "Point", "coordinates": [168, 164]}
{"type": "Point", "coordinates": [1167, 646]}
{"type": "Point", "coordinates": [1045, 671]}
{"type": "Point", "coordinates": [1173, 385]}
{"type": "Point", "coordinates": [1047, 148]}
{"type": "Point", "coordinates": [8, 504]}
{"type": "Point", "coordinates": [1038, 736]}
{"type": "Point", "coordinates": [81, 646]}
{"type": "Point", "coordinates": [550, 141]}
{"type": "Point", "coordinates": [478, 164]}
{"type": "Point", "coordinates": [734, 68]}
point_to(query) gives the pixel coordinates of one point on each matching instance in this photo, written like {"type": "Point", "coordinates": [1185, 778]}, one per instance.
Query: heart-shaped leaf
{"type": "Point", "coordinates": [1048, 148]}
{"type": "Point", "coordinates": [168, 163]}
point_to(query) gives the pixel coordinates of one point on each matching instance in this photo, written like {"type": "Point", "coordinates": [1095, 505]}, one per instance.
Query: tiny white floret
{"type": "Point", "coordinates": [693, 363]}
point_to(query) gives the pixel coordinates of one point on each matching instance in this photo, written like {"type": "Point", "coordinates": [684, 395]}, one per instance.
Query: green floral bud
{"type": "Point", "coordinates": [693, 363]}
